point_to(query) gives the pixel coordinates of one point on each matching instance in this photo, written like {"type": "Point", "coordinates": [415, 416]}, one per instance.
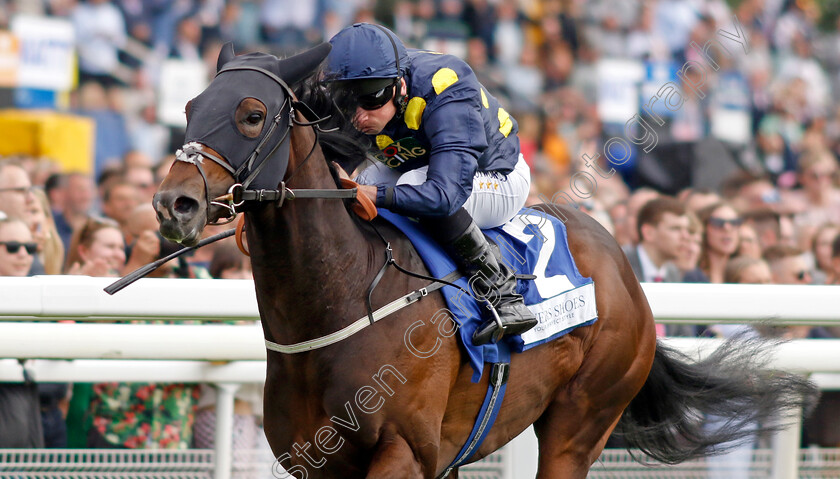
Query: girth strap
{"type": "Point", "coordinates": [362, 322]}
{"type": "Point", "coordinates": [489, 409]}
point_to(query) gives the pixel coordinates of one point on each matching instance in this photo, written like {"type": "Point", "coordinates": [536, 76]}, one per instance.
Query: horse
{"type": "Point", "coordinates": [369, 407]}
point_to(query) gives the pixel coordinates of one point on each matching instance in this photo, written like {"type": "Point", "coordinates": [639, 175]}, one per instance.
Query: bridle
{"type": "Point", "coordinates": [239, 194]}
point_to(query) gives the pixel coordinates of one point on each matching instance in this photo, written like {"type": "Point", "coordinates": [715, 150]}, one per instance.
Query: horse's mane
{"type": "Point", "coordinates": [339, 140]}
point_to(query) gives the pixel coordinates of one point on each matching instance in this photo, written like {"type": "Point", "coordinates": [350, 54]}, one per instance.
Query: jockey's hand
{"type": "Point", "coordinates": [367, 190]}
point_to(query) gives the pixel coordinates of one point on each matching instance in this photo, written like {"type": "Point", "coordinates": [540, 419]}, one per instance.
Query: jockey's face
{"type": "Point", "coordinates": [372, 122]}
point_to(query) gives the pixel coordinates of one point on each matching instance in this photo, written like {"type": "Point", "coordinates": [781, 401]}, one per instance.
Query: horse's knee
{"type": "Point", "coordinates": [394, 458]}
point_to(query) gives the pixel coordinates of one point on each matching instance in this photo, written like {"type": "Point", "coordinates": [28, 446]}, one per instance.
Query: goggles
{"type": "Point", "coordinates": [12, 247]}
{"type": "Point", "coordinates": [377, 99]}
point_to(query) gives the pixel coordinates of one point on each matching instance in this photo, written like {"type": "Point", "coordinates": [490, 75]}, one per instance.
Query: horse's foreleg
{"type": "Point", "coordinates": [394, 458]}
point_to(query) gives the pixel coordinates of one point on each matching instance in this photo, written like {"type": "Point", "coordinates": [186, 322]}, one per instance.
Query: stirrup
{"type": "Point", "coordinates": [500, 327]}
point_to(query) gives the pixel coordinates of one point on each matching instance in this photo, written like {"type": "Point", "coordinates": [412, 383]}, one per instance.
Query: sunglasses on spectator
{"type": "Point", "coordinates": [12, 247]}
{"type": "Point", "coordinates": [19, 189]}
{"type": "Point", "coordinates": [817, 175]}
{"type": "Point", "coordinates": [377, 99]}
{"type": "Point", "coordinates": [721, 222]}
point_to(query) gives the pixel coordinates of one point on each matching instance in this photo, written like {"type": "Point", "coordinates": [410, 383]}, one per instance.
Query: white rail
{"type": "Point", "coordinates": [82, 298]}
{"type": "Point", "coordinates": [228, 355]}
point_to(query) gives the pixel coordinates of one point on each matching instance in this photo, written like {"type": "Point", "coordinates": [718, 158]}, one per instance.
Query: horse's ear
{"type": "Point", "coordinates": [225, 55]}
{"type": "Point", "coordinates": [298, 67]}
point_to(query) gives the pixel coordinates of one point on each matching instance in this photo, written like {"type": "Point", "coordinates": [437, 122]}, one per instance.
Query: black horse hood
{"type": "Point", "coordinates": [211, 116]}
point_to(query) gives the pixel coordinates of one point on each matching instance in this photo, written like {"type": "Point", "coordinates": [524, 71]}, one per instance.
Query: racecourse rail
{"type": "Point", "coordinates": [36, 314]}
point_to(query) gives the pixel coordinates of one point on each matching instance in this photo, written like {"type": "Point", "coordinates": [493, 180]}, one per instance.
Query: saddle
{"type": "Point", "coordinates": [534, 245]}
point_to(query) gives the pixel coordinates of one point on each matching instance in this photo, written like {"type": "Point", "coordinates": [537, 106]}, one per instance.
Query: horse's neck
{"type": "Point", "coordinates": [309, 258]}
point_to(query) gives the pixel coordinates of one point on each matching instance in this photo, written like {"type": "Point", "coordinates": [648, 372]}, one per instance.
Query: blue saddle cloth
{"type": "Point", "coordinates": [533, 242]}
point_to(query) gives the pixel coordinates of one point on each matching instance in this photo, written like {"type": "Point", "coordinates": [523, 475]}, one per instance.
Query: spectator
{"type": "Point", "coordinates": [97, 249]}
{"type": "Point", "coordinates": [696, 199]}
{"type": "Point", "coordinates": [118, 202]}
{"type": "Point", "coordinates": [100, 34]}
{"type": "Point", "coordinates": [637, 200]}
{"type": "Point", "coordinates": [45, 234]}
{"type": "Point", "coordinates": [54, 189]}
{"type": "Point", "coordinates": [147, 245]}
{"type": "Point", "coordinates": [747, 270]}
{"type": "Point", "coordinates": [53, 397]}
{"type": "Point", "coordinates": [78, 196]}
{"type": "Point", "coordinates": [20, 413]}
{"type": "Point", "coordinates": [789, 266]}
{"type": "Point", "coordinates": [767, 226]}
{"type": "Point", "coordinates": [122, 415]}
{"type": "Point", "coordinates": [18, 247]}
{"type": "Point", "coordinates": [736, 461]}
{"type": "Point", "coordinates": [821, 250]}
{"type": "Point", "coordinates": [287, 24]}
{"type": "Point", "coordinates": [663, 227]}
{"type": "Point", "coordinates": [820, 199]}
{"type": "Point", "coordinates": [748, 243]}
{"type": "Point", "coordinates": [229, 263]}
{"type": "Point", "coordinates": [18, 201]}
{"type": "Point", "coordinates": [833, 276]}
{"type": "Point", "coordinates": [142, 416]}
{"type": "Point", "coordinates": [689, 256]}
{"type": "Point", "coordinates": [144, 179]}
{"type": "Point", "coordinates": [720, 239]}
{"type": "Point", "coordinates": [16, 196]}
{"type": "Point", "coordinates": [187, 40]}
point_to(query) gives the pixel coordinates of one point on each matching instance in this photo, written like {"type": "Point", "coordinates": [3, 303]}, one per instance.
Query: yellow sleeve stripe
{"type": "Point", "coordinates": [484, 99]}
{"type": "Point", "coordinates": [414, 112]}
{"type": "Point", "coordinates": [505, 123]}
{"type": "Point", "coordinates": [443, 79]}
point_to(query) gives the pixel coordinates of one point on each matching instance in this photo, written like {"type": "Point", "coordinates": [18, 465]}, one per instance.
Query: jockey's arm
{"type": "Point", "coordinates": [456, 132]}
{"type": "Point", "coordinates": [448, 185]}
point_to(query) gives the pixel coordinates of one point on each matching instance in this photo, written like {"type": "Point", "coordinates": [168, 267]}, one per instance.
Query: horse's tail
{"type": "Point", "coordinates": [689, 409]}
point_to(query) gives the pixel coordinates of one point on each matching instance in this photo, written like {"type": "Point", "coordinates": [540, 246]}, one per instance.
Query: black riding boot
{"type": "Point", "coordinates": [494, 281]}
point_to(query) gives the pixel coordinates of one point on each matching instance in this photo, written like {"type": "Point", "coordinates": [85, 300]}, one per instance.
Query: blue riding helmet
{"type": "Point", "coordinates": [366, 52]}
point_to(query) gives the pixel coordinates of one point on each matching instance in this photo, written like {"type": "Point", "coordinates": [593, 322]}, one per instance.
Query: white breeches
{"type": "Point", "coordinates": [494, 199]}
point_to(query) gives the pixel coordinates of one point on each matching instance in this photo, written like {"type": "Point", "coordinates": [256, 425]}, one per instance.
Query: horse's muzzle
{"type": "Point", "coordinates": [178, 215]}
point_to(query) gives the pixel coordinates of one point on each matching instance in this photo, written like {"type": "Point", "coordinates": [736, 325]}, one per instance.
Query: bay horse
{"type": "Point", "coordinates": [366, 406]}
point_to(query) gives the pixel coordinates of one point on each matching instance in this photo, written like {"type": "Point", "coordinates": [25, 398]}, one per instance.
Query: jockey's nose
{"type": "Point", "coordinates": [360, 117]}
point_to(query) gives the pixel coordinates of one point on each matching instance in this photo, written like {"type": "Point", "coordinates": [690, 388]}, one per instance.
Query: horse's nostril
{"type": "Point", "coordinates": [184, 205]}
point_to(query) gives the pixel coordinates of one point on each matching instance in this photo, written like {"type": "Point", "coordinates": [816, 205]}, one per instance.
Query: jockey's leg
{"type": "Point", "coordinates": [494, 200]}
{"type": "Point", "coordinates": [489, 277]}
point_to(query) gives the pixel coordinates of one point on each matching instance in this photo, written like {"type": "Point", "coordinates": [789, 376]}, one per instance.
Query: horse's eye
{"type": "Point", "coordinates": [254, 118]}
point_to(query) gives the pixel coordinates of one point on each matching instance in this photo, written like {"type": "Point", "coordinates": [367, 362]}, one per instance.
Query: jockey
{"type": "Point", "coordinates": [449, 154]}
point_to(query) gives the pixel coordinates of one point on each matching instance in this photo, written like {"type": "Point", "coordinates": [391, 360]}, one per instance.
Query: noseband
{"type": "Point", "coordinates": [239, 194]}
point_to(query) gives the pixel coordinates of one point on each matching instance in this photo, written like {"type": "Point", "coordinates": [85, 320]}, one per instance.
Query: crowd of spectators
{"type": "Point", "coordinates": [701, 206]}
